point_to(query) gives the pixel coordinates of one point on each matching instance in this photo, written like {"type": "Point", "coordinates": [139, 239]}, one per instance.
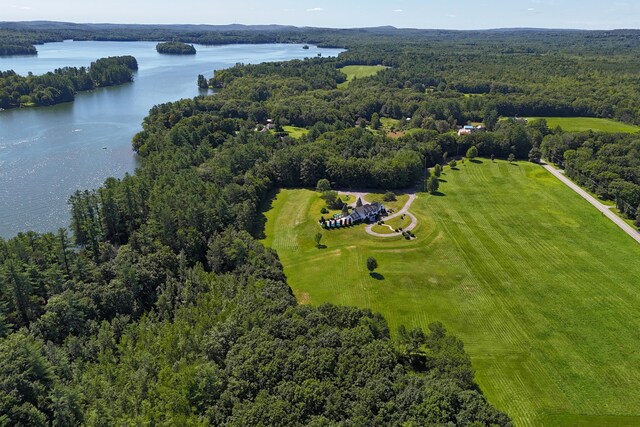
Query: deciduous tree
{"type": "Point", "coordinates": [372, 264]}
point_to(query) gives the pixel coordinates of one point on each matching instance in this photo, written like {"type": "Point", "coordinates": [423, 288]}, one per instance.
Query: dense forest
{"type": "Point", "coordinates": [176, 48]}
{"type": "Point", "coordinates": [160, 306]}
{"type": "Point", "coordinates": [62, 84]}
{"type": "Point", "coordinates": [525, 72]}
{"type": "Point", "coordinates": [22, 41]}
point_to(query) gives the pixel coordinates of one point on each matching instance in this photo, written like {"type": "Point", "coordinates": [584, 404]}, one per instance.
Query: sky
{"type": "Point", "coordinates": [441, 14]}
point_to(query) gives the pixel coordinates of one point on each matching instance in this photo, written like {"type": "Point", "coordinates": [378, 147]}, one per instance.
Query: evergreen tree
{"type": "Point", "coordinates": [433, 184]}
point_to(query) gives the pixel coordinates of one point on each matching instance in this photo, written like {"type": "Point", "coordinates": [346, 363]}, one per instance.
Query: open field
{"type": "Point", "coordinates": [580, 124]}
{"type": "Point", "coordinates": [542, 289]}
{"type": "Point", "coordinates": [359, 71]}
{"type": "Point", "coordinates": [294, 131]}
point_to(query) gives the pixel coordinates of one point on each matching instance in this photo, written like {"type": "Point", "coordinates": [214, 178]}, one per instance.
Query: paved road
{"type": "Point", "coordinates": [600, 206]}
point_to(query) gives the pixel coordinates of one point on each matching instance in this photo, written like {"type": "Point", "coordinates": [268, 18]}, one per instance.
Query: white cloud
{"type": "Point", "coordinates": [315, 9]}
{"type": "Point", "coordinates": [398, 10]}
{"type": "Point", "coordinates": [531, 9]}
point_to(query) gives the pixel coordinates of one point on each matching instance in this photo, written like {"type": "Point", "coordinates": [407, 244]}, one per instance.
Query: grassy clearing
{"type": "Point", "coordinates": [390, 127]}
{"type": "Point", "coordinates": [581, 124]}
{"type": "Point", "coordinates": [359, 72]}
{"type": "Point", "coordinates": [388, 123]}
{"type": "Point", "coordinates": [541, 287]}
{"type": "Point", "coordinates": [295, 132]}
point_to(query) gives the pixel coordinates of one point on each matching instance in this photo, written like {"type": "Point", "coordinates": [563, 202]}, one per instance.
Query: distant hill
{"type": "Point", "coordinates": [53, 25]}
{"type": "Point", "coordinates": [56, 25]}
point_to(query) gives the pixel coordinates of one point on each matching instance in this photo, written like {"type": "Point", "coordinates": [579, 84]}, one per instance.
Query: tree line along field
{"type": "Point", "coordinates": [582, 124]}
{"type": "Point", "coordinates": [541, 287]}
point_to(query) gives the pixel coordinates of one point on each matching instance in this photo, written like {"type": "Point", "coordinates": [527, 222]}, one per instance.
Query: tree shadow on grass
{"type": "Point", "coordinates": [442, 180]}
{"type": "Point", "coordinates": [454, 168]}
{"type": "Point", "coordinates": [514, 164]}
{"type": "Point", "coordinates": [321, 246]}
{"type": "Point", "coordinates": [438, 194]}
{"type": "Point", "coordinates": [476, 161]}
{"type": "Point", "coordinates": [376, 276]}
{"type": "Point", "coordinates": [258, 229]}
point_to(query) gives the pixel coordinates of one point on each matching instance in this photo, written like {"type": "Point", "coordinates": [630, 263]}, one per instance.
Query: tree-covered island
{"type": "Point", "coordinates": [62, 84]}
{"type": "Point", "coordinates": [176, 48]}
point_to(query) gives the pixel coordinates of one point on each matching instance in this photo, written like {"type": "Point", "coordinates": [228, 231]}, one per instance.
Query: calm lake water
{"type": "Point", "coordinates": [48, 153]}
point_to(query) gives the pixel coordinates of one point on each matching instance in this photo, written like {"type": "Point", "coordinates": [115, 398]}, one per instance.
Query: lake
{"type": "Point", "coordinates": [48, 153]}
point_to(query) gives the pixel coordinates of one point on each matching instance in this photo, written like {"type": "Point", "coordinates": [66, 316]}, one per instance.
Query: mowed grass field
{"type": "Point", "coordinates": [581, 124]}
{"type": "Point", "coordinates": [295, 132]}
{"type": "Point", "coordinates": [543, 290]}
{"type": "Point", "coordinates": [359, 72]}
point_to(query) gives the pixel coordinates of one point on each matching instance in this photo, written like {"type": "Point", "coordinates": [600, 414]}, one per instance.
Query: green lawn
{"type": "Point", "coordinates": [359, 71]}
{"type": "Point", "coordinates": [295, 132]}
{"type": "Point", "coordinates": [543, 290]}
{"type": "Point", "coordinates": [580, 124]}
{"type": "Point", "coordinates": [399, 222]}
{"type": "Point", "coordinates": [388, 123]}
{"type": "Point", "coordinates": [395, 223]}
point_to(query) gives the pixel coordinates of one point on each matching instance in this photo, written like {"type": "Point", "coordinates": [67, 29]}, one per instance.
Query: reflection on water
{"type": "Point", "coordinates": [48, 153]}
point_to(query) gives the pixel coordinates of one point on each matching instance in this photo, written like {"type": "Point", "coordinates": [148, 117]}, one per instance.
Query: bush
{"type": "Point", "coordinates": [323, 185]}
{"type": "Point", "coordinates": [389, 196]}
{"type": "Point", "coordinates": [336, 204]}
{"type": "Point", "coordinates": [329, 196]}
{"type": "Point", "coordinates": [332, 199]}
{"type": "Point", "coordinates": [324, 210]}
{"type": "Point", "coordinates": [372, 264]}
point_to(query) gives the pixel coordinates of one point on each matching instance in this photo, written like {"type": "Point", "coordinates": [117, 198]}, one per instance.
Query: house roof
{"type": "Point", "coordinates": [368, 209]}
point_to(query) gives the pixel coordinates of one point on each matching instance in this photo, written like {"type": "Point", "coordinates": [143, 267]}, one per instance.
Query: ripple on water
{"type": "Point", "coordinates": [48, 153]}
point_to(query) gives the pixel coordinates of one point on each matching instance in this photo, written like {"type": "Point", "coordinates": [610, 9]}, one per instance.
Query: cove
{"type": "Point", "coordinates": [48, 153]}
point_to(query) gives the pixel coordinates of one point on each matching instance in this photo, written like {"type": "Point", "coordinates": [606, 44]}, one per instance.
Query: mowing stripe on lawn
{"type": "Point", "coordinates": [540, 287]}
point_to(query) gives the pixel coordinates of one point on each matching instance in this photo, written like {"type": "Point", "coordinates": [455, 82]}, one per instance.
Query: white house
{"type": "Point", "coordinates": [368, 212]}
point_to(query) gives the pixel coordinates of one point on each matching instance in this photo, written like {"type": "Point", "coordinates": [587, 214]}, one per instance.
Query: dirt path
{"type": "Point", "coordinates": [606, 210]}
